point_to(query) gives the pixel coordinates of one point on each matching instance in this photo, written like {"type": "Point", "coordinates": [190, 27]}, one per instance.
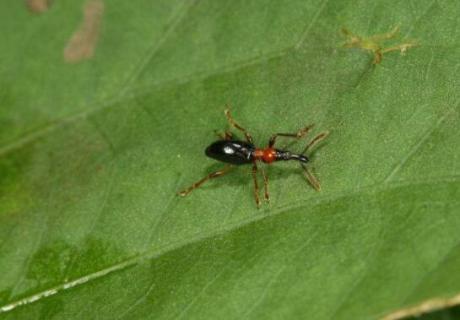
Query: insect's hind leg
{"type": "Point", "coordinates": [197, 184]}
{"type": "Point", "coordinates": [227, 135]}
{"type": "Point", "coordinates": [233, 123]}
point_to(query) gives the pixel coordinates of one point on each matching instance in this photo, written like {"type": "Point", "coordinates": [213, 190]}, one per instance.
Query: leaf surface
{"type": "Point", "coordinates": [92, 155]}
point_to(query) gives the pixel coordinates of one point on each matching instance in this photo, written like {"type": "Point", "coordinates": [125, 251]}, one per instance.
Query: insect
{"type": "Point", "coordinates": [236, 152]}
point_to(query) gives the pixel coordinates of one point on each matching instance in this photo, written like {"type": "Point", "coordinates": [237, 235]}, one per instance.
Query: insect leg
{"type": "Point", "coordinates": [311, 178]}
{"type": "Point", "coordinates": [237, 126]}
{"type": "Point", "coordinates": [227, 135]}
{"type": "Point", "coordinates": [302, 132]}
{"type": "Point", "coordinates": [256, 186]}
{"type": "Point", "coordinates": [197, 184]}
{"type": "Point", "coordinates": [267, 196]}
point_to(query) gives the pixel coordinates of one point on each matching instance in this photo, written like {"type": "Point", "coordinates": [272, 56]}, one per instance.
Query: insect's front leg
{"type": "Point", "coordinates": [299, 134]}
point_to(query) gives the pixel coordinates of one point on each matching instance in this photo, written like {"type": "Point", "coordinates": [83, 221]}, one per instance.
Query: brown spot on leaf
{"type": "Point", "coordinates": [83, 42]}
{"type": "Point", "coordinates": [38, 6]}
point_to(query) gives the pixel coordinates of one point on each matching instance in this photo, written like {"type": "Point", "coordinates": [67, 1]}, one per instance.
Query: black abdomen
{"type": "Point", "coordinates": [231, 151]}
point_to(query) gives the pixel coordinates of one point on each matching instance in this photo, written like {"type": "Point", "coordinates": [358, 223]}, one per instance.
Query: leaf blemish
{"type": "Point", "coordinates": [38, 6]}
{"type": "Point", "coordinates": [374, 43]}
{"type": "Point", "coordinates": [83, 42]}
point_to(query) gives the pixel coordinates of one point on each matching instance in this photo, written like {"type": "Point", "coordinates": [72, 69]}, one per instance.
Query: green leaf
{"type": "Point", "coordinates": [92, 153]}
